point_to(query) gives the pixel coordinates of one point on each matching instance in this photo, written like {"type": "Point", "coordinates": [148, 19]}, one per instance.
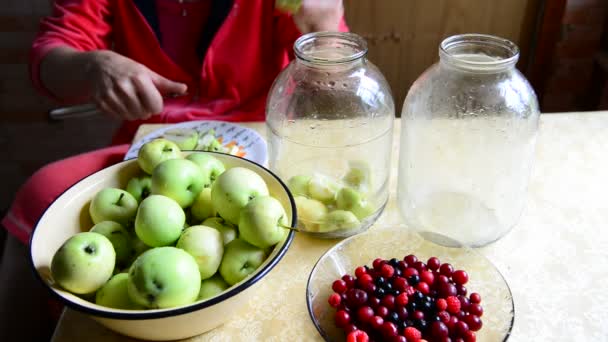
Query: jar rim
{"type": "Point", "coordinates": [499, 53]}
{"type": "Point", "coordinates": [355, 47]}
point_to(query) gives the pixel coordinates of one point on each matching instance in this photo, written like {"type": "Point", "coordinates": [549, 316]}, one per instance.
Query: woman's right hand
{"type": "Point", "coordinates": [125, 89]}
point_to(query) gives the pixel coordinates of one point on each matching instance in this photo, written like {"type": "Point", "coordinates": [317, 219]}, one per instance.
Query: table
{"type": "Point", "coordinates": [555, 260]}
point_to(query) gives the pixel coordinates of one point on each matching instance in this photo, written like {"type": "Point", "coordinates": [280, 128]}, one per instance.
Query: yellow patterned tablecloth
{"type": "Point", "coordinates": [555, 260]}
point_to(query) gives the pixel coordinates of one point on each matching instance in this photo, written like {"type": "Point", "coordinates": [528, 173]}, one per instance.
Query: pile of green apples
{"type": "Point", "coordinates": [327, 205]}
{"type": "Point", "coordinates": [183, 230]}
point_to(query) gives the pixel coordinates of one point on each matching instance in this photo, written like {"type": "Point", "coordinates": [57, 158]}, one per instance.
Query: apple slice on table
{"type": "Point", "coordinates": [84, 263]}
{"type": "Point", "coordinates": [155, 152]}
{"type": "Point", "coordinates": [159, 221]}
{"type": "Point", "coordinates": [114, 294]}
{"type": "Point", "coordinates": [139, 187]}
{"type": "Point", "coordinates": [112, 204]}
{"type": "Point", "coordinates": [233, 189]}
{"type": "Point", "coordinates": [339, 220]}
{"type": "Point", "coordinates": [240, 260]}
{"type": "Point", "coordinates": [164, 277]}
{"type": "Point", "coordinates": [228, 230]}
{"type": "Point", "coordinates": [210, 166]}
{"type": "Point", "coordinates": [263, 222]}
{"type": "Point", "coordinates": [212, 286]}
{"type": "Point", "coordinates": [352, 200]}
{"type": "Point", "coordinates": [180, 179]}
{"type": "Point", "coordinates": [205, 244]}
{"type": "Point", "coordinates": [120, 239]}
{"type": "Point", "coordinates": [184, 138]}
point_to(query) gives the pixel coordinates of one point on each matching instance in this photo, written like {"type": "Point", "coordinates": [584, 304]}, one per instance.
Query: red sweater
{"type": "Point", "coordinates": [252, 44]}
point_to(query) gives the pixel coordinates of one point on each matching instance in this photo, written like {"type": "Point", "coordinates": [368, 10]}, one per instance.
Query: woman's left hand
{"type": "Point", "coordinates": [319, 15]}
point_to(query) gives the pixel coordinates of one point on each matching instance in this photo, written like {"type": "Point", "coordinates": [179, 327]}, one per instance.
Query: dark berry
{"type": "Point", "coordinates": [388, 286]}
{"type": "Point", "coordinates": [393, 262]}
{"type": "Point", "coordinates": [413, 280]}
{"type": "Point", "coordinates": [412, 306]}
{"type": "Point", "coordinates": [334, 300]}
{"type": "Point", "coordinates": [427, 306]}
{"type": "Point", "coordinates": [393, 317]}
{"type": "Point", "coordinates": [439, 330]}
{"type": "Point", "coordinates": [474, 322]}
{"type": "Point", "coordinates": [380, 281]}
{"type": "Point", "coordinates": [446, 269]}
{"type": "Point", "coordinates": [339, 286]}
{"type": "Point", "coordinates": [380, 292]}
{"type": "Point", "coordinates": [433, 263]}
{"type": "Point", "coordinates": [476, 309]}
{"type": "Point", "coordinates": [460, 277]}
{"type": "Point", "coordinates": [398, 272]}
{"type": "Point", "coordinates": [356, 297]}
{"type": "Point", "coordinates": [461, 289]}
{"type": "Point", "coordinates": [402, 312]}
{"type": "Point", "coordinates": [342, 318]}
{"type": "Point", "coordinates": [434, 318]}
{"type": "Point", "coordinates": [410, 271]}
{"type": "Point", "coordinates": [475, 298]}
{"type": "Point", "coordinates": [420, 324]}
{"type": "Point", "coordinates": [410, 259]}
{"type": "Point", "coordinates": [464, 303]}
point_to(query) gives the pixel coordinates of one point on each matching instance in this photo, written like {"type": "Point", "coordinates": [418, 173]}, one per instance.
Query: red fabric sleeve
{"type": "Point", "coordinates": [84, 25]}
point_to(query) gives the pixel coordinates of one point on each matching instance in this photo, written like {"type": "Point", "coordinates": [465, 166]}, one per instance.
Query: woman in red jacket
{"type": "Point", "coordinates": [159, 61]}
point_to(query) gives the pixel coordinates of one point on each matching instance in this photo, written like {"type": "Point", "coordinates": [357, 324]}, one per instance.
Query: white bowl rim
{"type": "Point", "coordinates": [172, 312]}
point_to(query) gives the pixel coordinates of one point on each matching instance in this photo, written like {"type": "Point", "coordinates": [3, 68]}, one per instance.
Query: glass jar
{"type": "Point", "coordinates": [468, 135]}
{"type": "Point", "coordinates": [330, 117]}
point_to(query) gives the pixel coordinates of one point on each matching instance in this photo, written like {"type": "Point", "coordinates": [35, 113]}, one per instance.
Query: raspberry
{"type": "Point", "coordinates": [441, 304]}
{"type": "Point", "coordinates": [357, 336]}
{"type": "Point", "coordinates": [453, 304]}
{"type": "Point", "coordinates": [402, 299]}
{"type": "Point", "coordinates": [334, 300]}
{"type": "Point", "coordinates": [412, 334]}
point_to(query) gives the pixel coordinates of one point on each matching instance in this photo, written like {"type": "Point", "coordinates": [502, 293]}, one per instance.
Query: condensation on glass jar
{"type": "Point", "coordinates": [330, 117]}
{"type": "Point", "coordinates": [469, 126]}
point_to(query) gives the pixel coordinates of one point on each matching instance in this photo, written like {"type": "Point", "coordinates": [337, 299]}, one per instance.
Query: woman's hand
{"type": "Point", "coordinates": [119, 86]}
{"type": "Point", "coordinates": [125, 89]}
{"type": "Point", "coordinates": [319, 15]}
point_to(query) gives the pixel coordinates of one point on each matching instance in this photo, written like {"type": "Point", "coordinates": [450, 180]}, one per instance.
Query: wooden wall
{"type": "Point", "coordinates": [404, 35]}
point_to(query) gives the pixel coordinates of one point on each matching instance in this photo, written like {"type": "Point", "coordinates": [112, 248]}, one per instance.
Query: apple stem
{"type": "Point", "coordinates": [290, 228]}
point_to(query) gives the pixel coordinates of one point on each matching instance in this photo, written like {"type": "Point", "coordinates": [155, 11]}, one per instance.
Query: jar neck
{"type": "Point", "coordinates": [478, 53]}
{"type": "Point", "coordinates": [331, 50]}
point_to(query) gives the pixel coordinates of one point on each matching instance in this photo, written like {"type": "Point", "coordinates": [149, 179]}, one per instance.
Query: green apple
{"type": "Point", "coordinates": [164, 277]}
{"type": "Point", "coordinates": [139, 187]}
{"type": "Point", "coordinates": [180, 179]}
{"type": "Point", "coordinates": [358, 175]}
{"type": "Point", "coordinates": [228, 230]}
{"type": "Point", "coordinates": [212, 286]}
{"type": "Point", "coordinates": [323, 188]}
{"type": "Point", "coordinates": [202, 208]}
{"type": "Point", "coordinates": [159, 221]}
{"type": "Point", "coordinates": [184, 138]}
{"type": "Point", "coordinates": [233, 189]}
{"type": "Point", "coordinates": [205, 244]}
{"type": "Point", "coordinates": [112, 204]}
{"type": "Point", "coordinates": [240, 260]}
{"type": "Point", "coordinates": [114, 294]}
{"type": "Point", "coordinates": [83, 263]}
{"type": "Point", "coordinates": [263, 221]}
{"type": "Point", "coordinates": [156, 151]}
{"type": "Point", "coordinates": [120, 239]}
{"type": "Point", "coordinates": [310, 212]}
{"type": "Point", "coordinates": [210, 165]}
{"type": "Point", "coordinates": [339, 220]}
{"type": "Point", "coordinates": [298, 185]}
{"type": "Point", "coordinates": [352, 200]}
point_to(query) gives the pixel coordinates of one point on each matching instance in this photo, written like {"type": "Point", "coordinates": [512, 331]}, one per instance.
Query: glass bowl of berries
{"type": "Point", "coordinates": [390, 284]}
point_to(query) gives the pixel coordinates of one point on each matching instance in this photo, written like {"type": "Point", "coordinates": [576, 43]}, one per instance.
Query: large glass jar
{"type": "Point", "coordinates": [469, 126]}
{"type": "Point", "coordinates": [330, 117]}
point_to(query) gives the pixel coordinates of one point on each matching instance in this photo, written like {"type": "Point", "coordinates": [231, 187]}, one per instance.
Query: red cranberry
{"type": "Point", "coordinates": [356, 297]}
{"type": "Point", "coordinates": [447, 289]}
{"type": "Point", "coordinates": [410, 271]}
{"type": "Point", "coordinates": [439, 330]}
{"type": "Point", "coordinates": [342, 318]}
{"type": "Point", "coordinates": [387, 271]}
{"type": "Point", "coordinates": [350, 328]}
{"type": "Point", "coordinates": [410, 259]}
{"type": "Point", "coordinates": [400, 284]}
{"type": "Point", "coordinates": [461, 315]}
{"type": "Point", "coordinates": [417, 314]}
{"type": "Point", "coordinates": [334, 300]}
{"type": "Point", "coordinates": [459, 339]}
{"type": "Point", "coordinates": [475, 298]}
{"type": "Point", "coordinates": [476, 309]}
{"type": "Point", "coordinates": [382, 311]}
{"type": "Point", "coordinates": [460, 277]}
{"type": "Point", "coordinates": [441, 279]}
{"type": "Point", "coordinates": [474, 322]}
{"type": "Point", "coordinates": [399, 338]}
{"type": "Point", "coordinates": [376, 322]}
{"type": "Point", "coordinates": [389, 302]}
{"type": "Point", "coordinates": [461, 328]}
{"type": "Point", "coordinates": [349, 280]}
{"type": "Point", "coordinates": [389, 329]}
{"type": "Point", "coordinates": [373, 301]}
{"type": "Point", "coordinates": [470, 337]}
{"type": "Point", "coordinates": [433, 263]}
{"type": "Point", "coordinates": [446, 269]}
{"type": "Point", "coordinates": [365, 314]}
{"type": "Point", "coordinates": [402, 265]}
{"type": "Point", "coordinates": [452, 322]}
{"type": "Point", "coordinates": [427, 277]}
{"type": "Point", "coordinates": [402, 312]}
{"type": "Point", "coordinates": [364, 279]}
{"type": "Point", "coordinates": [370, 287]}
{"type": "Point", "coordinates": [378, 263]}
{"type": "Point", "coordinates": [420, 266]}
{"type": "Point", "coordinates": [339, 286]}
{"type": "Point", "coordinates": [423, 287]}
{"type": "Point", "coordinates": [464, 303]}
{"type": "Point", "coordinates": [360, 271]}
